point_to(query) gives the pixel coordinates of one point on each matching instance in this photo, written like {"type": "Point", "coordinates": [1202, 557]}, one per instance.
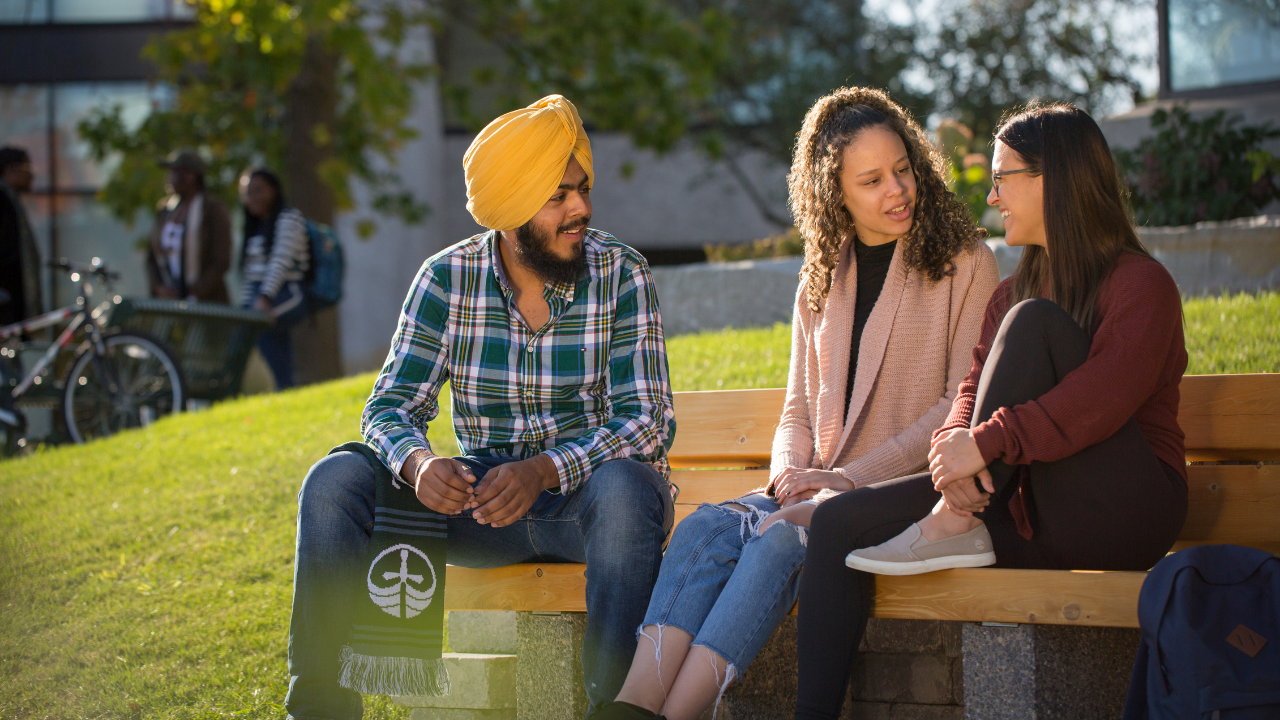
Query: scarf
{"type": "Point", "coordinates": [397, 630]}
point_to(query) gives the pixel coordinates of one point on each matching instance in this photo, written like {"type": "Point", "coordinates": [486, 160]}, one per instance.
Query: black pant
{"type": "Point", "coordinates": [1111, 506]}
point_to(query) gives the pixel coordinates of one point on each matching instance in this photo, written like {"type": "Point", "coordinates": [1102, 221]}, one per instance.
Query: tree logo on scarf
{"type": "Point", "coordinates": [405, 598]}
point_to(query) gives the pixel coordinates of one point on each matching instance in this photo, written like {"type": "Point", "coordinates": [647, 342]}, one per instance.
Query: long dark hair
{"type": "Point", "coordinates": [942, 225]}
{"type": "Point", "coordinates": [259, 226]}
{"type": "Point", "coordinates": [1086, 221]}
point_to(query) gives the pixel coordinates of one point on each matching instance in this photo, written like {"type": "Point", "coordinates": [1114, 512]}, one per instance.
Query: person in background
{"type": "Point", "coordinates": [190, 249]}
{"type": "Point", "coordinates": [19, 256]}
{"type": "Point", "coordinates": [273, 265]}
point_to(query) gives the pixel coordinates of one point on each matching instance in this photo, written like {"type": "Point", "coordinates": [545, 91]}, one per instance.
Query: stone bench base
{"type": "Point", "coordinates": [906, 670]}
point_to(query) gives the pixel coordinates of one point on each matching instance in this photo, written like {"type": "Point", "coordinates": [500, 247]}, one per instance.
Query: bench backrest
{"type": "Point", "coordinates": [1225, 418]}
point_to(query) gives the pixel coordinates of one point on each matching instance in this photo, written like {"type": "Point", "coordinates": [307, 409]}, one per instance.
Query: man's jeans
{"type": "Point", "coordinates": [615, 523]}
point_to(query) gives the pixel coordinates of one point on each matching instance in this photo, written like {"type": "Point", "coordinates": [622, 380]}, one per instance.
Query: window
{"type": "Point", "coordinates": [1213, 43]}
{"type": "Point", "coordinates": [65, 215]}
{"type": "Point", "coordinates": [92, 11]}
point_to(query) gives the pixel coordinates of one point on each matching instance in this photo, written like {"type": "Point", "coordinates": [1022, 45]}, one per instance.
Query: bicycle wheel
{"type": "Point", "coordinates": [133, 383]}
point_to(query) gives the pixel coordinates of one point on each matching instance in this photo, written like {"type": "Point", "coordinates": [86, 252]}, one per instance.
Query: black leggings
{"type": "Point", "coordinates": [1111, 506]}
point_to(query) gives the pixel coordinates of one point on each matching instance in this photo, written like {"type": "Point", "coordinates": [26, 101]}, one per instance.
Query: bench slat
{"type": "Point", "coordinates": [981, 595]}
{"type": "Point", "coordinates": [1225, 417]}
{"type": "Point", "coordinates": [1231, 417]}
{"type": "Point", "coordinates": [1234, 504]}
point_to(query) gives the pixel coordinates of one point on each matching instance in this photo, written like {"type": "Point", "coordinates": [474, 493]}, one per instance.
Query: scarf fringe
{"type": "Point", "coordinates": [375, 675]}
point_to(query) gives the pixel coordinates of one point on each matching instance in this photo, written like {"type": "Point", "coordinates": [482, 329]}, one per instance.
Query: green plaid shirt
{"type": "Point", "coordinates": [589, 386]}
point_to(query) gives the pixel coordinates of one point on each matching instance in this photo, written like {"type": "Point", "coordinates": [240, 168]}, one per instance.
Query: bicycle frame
{"type": "Point", "coordinates": [78, 314]}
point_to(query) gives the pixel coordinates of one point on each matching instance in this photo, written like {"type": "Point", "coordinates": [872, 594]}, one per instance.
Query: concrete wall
{"type": "Point", "coordinates": [678, 200]}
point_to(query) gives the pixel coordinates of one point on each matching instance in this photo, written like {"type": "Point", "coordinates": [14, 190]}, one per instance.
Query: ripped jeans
{"type": "Point", "coordinates": [725, 585]}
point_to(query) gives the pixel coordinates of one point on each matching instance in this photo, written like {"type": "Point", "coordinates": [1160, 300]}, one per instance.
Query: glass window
{"type": "Point", "coordinates": [24, 117]}
{"type": "Point", "coordinates": [22, 12]}
{"type": "Point", "coordinates": [1222, 42]}
{"type": "Point", "coordinates": [101, 11]}
{"type": "Point", "coordinates": [86, 229]}
{"type": "Point", "coordinates": [74, 102]}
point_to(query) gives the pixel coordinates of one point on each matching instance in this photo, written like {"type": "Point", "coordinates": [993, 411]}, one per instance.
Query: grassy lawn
{"type": "Point", "coordinates": [148, 575]}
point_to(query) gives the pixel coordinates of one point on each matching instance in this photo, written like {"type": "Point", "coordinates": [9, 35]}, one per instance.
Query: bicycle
{"type": "Point", "coordinates": [116, 379]}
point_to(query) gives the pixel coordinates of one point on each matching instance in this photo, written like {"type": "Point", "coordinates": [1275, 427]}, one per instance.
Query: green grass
{"type": "Point", "coordinates": [1233, 334]}
{"type": "Point", "coordinates": [152, 569]}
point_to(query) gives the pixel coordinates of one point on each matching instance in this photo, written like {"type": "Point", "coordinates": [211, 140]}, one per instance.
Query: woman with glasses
{"type": "Point", "coordinates": [892, 291]}
{"type": "Point", "coordinates": [1062, 449]}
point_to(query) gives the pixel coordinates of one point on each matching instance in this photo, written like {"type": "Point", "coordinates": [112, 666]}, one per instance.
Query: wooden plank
{"type": "Point", "coordinates": [982, 595]}
{"type": "Point", "coordinates": [713, 486]}
{"type": "Point", "coordinates": [1231, 417]}
{"type": "Point", "coordinates": [1050, 597]}
{"type": "Point", "coordinates": [540, 587]}
{"type": "Point", "coordinates": [1234, 504]}
{"type": "Point", "coordinates": [1225, 417]}
{"type": "Point", "coordinates": [725, 428]}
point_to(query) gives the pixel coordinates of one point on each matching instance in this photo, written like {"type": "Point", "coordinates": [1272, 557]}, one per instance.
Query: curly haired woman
{"type": "Point", "coordinates": [889, 308]}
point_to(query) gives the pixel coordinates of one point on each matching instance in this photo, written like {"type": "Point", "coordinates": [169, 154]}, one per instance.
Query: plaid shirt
{"type": "Point", "coordinates": [589, 386]}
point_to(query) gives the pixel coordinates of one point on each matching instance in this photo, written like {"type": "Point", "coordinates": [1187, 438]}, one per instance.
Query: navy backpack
{"type": "Point", "coordinates": [1210, 618]}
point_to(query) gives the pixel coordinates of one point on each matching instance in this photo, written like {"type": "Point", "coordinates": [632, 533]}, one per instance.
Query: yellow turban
{"type": "Point", "coordinates": [515, 164]}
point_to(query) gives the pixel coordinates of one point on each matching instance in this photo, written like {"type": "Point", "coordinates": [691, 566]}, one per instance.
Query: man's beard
{"type": "Point", "coordinates": [535, 253]}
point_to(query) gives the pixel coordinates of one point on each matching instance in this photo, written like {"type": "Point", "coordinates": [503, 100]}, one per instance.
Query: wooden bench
{"type": "Point", "coordinates": [722, 449]}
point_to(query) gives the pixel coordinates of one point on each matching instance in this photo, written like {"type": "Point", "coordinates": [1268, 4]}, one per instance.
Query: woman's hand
{"type": "Point", "coordinates": [955, 456]}
{"type": "Point", "coordinates": [796, 515]}
{"type": "Point", "coordinates": [263, 303]}
{"type": "Point", "coordinates": [964, 498]}
{"type": "Point", "coordinates": [794, 485]}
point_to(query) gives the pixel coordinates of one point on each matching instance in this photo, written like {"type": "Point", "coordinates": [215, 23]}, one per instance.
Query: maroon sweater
{"type": "Point", "coordinates": [1134, 366]}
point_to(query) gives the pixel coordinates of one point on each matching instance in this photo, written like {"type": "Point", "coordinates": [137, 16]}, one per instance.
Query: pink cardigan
{"type": "Point", "coordinates": [916, 348]}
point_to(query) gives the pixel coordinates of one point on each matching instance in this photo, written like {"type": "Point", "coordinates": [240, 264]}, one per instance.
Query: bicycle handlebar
{"type": "Point", "coordinates": [99, 268]}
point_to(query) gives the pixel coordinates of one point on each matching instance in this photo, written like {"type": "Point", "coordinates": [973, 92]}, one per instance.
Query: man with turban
{"type": "Point", "coordinates": [549, 335]}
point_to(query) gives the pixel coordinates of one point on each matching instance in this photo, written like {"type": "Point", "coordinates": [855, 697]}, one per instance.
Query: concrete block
{"type": "Point", "coordinates": [768, 687]}
{"type": "Point", "coordinates": [478, 682]}
{"type": "Point", "coordinates": [1049, 672]}
{"type": "Point", "coordinates": [713, 296]}
{"type": "Point", "coordinates": [911, 711]}
{"type": "Point", "coordinates": [855, 710]}
{"type": "Point", "coordinates": [902, 677]}
{"type": "Point", "coordinates": [902, 636]}
{"type": "Point", "coordinates": [549, 677]}
{"type": "Point", "coordinates": [952, 641]}
{"type": "Point", "coordinates": [461, 714]}
{"type": "Point", "coordinates": [476, 631]}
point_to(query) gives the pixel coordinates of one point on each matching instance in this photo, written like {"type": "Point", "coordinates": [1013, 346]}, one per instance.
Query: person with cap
{"type": "Point", "coordinates": [19, 256]}
{"type": "Point", "coordinates": [549, 335]}
{"type": "Point", "coordinates": [190, 249]}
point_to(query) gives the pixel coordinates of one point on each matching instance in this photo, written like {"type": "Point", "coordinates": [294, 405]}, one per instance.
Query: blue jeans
{"type": "Point", "coordinates": [725, 585]}
{"type": "Point", "coordinates": [615, 523]}
{"type": "Point", "coordinates": [276, 342]}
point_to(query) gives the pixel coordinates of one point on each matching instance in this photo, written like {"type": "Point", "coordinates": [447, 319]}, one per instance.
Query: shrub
{"type": "Point", "coordinates": [785, 245]}
{"type": "Point", "coordinates": [1196, 170]}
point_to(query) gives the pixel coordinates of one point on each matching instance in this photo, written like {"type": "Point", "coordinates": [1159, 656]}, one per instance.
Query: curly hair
{"type": "Point", "coordinates": [942, 225]}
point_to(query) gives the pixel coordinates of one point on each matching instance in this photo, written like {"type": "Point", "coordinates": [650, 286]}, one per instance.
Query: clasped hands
{"type": "Point", "coordinates": [957, 467]}
{"type": "Point", "coordinates": [502, 496]}
{"type": "Point", "coordinates": [793, 486]}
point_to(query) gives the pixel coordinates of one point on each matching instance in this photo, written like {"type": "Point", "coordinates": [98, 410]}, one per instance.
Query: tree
{"type": "Point", "coordinates": [984, 57]}
{"type": "Point", "coordinates": [316, 89]}
{"type": "Point", "coordinates": [728, 75]}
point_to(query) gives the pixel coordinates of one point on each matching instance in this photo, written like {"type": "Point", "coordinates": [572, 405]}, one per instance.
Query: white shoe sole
{"type": "Point", "coordinates": [917, 567]}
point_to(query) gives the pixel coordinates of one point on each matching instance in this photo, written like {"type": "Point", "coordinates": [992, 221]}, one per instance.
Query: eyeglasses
{"type": "Point", "coordinates": [997, 178]}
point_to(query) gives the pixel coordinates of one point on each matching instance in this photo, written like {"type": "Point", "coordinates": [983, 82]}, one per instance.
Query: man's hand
{"type": "Point", "coordinates": [794, 485]}
{"type": "Point", "coordinates": [263, 304]}
{"type": "Point", "coordinates": [442, 484]}
{"type": "Point", "coordinates": [507, 491]}
{"type": "Point", "coordinates": [166, 292]}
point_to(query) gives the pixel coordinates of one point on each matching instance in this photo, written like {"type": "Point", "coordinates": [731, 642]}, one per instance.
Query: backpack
{"type": "Point", "coordinates": [1210, 618]}
{"type": "Point", "coordinates": [323, 283]}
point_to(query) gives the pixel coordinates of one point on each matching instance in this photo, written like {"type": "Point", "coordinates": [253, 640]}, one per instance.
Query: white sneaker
{"type": "Point", "coordinates": [911, 554]}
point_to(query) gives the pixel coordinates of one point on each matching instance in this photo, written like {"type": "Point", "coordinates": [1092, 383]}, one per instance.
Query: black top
{"type": "Point", "coordinates": [11, 262]}
{"type": "Point", "coordinates": [873, 267]}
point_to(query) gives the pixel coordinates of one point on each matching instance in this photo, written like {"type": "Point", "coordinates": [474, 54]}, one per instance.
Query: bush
{"type": "Point", "coordinates": [968, 166]}
{"type": "Point", "coordinates": [1196, 170]}
{"type": "Point", "coordinates": [785, 245]}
